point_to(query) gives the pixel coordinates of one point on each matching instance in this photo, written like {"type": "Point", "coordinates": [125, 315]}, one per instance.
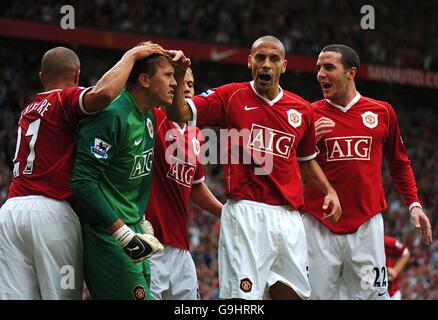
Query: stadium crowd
{"type": "Point", "coordinates": [302, 25]}
{"type": "Point", "coordinates": [18, 84]}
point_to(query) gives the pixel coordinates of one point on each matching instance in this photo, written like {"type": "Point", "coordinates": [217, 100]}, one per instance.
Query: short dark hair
{"type": "Point", "coordinates": [270, 39]}
{"type": "Point", "coordinates": [349, 57]}
{"type": "Point", "coordinates": [148, 65]}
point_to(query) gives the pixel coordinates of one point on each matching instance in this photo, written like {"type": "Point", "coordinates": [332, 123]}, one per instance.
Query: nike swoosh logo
{"type": "Point", "coordinates": [216, 55]}
{"type": "Point", "coordinates": [381, 294]}
{"type": "Point", "coordinates": [137, 142]}
{"type": "Point", "coordinates": [133, 249]}
{"type": "Point", "coordinates": [250, 108]}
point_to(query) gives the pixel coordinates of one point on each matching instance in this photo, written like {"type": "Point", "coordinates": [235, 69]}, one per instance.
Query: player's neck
{"type": "Point", "coordinates": [345, 99]}
{"type": "Point", "coordinates": [141, 101]}
{"type": "Point", "coordinates": [58, 85]}
{"type": "Point", "coordinates": [270, 94]}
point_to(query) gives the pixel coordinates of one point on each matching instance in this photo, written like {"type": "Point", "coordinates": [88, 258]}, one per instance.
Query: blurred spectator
{"type": "Point", "coordinates": [403, 36]}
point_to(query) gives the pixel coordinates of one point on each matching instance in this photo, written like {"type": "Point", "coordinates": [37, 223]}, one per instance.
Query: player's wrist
{"type": "Point", "coordinates": [124, 235]}
{"type": "Point", "coordinates": [414, 205]}
{"type": "Point", "coordinates": [331, 192]}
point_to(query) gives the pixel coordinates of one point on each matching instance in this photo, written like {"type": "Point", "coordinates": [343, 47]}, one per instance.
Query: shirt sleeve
{"type": "Point", "coordinates": [399, 164]}
{"type": "Point", "coordinates": [199, 173]}
{"type": "Point", "coordinates": [306, 149]}
{"type": "Point", "coordinates": [72, 102]}
{"type": "Point", "coordinates": [209, 108]}
{"type": "Point", "coordinates": [394, 247]}
{"type": "Point", "coordinates": [97, 142]}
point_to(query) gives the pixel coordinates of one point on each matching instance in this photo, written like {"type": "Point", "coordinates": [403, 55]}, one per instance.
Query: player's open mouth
{"type": "Point", "coordinates": [326, 85]}
{"type": "Point", "coordinates": [265, 77]}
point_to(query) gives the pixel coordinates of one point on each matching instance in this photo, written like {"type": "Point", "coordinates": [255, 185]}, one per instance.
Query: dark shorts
{"type": "Point", "coordinates": [109, 272]}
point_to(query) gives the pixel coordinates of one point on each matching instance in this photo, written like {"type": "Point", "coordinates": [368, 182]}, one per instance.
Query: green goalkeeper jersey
{"type": "Point", "coordinates": [113, 170]}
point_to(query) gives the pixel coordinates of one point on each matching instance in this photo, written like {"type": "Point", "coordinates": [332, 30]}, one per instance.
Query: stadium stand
{"type": "Point", "coordinates": [295, 23]}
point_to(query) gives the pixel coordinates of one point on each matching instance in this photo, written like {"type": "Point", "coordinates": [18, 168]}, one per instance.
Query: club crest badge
{"type": "Point", "coordinates": [369, 119]}
{"type": "Point", "coordinates": [294, 118]}
{"type": "Point", "coordinates": [196, 146]}
{"type": "Point", "coordinates": [245, 285]}
{"type": "Point", "coordinates": [139, 293]}
{"type": "Point", "coordinates": [150, 127]}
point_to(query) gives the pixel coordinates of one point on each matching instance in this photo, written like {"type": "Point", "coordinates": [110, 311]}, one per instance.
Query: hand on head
{"type": "Point", "coordinates": [180, 61]}
{"type": "Point", "coordinates": [146, 49]}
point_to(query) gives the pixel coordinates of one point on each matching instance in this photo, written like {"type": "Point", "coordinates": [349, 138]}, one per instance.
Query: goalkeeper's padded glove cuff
{"type": "Point", "coordinates": [124, 235]}
{"type": "Point", "coordinates": [137, 246]}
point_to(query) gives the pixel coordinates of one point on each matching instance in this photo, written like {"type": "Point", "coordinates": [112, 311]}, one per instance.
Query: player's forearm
{"type": "Point", "coordinates": [111, 84]}
{"type": "Point", "coordinates": [313, 174]}
{"type": "Point", "coordinates": [202, 196]}
{"type": "Point", "coordinates": [402, 262]}
{"type": "Point", "coordinates": [179, 111]}
{"type": "Point", "coordinates": [404, 181]}
{"type": "Point", "coordinates": [115, 226]}
{"type": "Point", "coordinates": [93, 207]}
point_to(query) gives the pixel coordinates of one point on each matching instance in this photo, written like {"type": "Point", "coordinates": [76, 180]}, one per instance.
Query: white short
{"type": "Point", "coordinates": [259, 245]}
{"type": "Point", "coordinates": [40, 250]}
{"type": "Point", "coordinates": [347, 266]}
{"type": "Point", "coordinates": [173, 275]}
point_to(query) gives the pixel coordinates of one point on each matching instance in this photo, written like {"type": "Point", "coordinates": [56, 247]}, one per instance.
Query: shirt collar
{"type": "Point", "coordinates": [348, 106]}
{"type": "Point", "coordinates": [270, 102]}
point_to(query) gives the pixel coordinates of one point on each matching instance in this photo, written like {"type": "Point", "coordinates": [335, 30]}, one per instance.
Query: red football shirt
{"type": "Point", "coordinates": [351, 157]}
{"type": "Point", "coordinates": [176, 167]}
{"type": "Point", "coordinates": [393, 250]}
{"type": "Point", "coordinates": [265, 139]}
{"type": "Point", "coordinates": [44, 155]}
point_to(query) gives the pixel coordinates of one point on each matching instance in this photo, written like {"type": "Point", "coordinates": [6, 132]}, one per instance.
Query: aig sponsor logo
{"type": "Point", "coordinates": [348, 148]}
{"type": "Point", "coordinates": [181, 172]}
{"type": "Point", "coordinates": [271, 141]}
{"type": "Point", "coordinates": [142, 164]}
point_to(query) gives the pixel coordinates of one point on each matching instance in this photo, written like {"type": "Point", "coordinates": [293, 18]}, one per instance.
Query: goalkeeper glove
{"type": "Point", "coordinates": [136, 245]}
{"type": "Point", "coordinates": [147, 227]}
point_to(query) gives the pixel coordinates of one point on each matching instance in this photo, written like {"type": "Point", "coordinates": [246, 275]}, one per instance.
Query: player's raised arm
{"type": "Point", "coordinates": [113, 81]}
{"type": "Point", "coordinates": [179, 111]}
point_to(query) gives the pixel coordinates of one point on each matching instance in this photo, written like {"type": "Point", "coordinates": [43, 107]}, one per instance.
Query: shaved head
{"type": "Point", "coordinates": [270, 39]}
{"type": "Point", "coordinates": [59, 62]}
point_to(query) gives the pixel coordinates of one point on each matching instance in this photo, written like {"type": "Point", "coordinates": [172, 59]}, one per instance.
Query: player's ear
{"type": "Point", "coordinates": [250, 62]}
{"type": "Point", "coordinates": [352, 73]}
{"type": "Point", "coordinates": [144, 80]}
{"type": "Point", "coordinates": [77, 75]}
{"type": "Point", "coordinates": [41, 75]}
{"type": "Point", "coordinates": [284, 66]}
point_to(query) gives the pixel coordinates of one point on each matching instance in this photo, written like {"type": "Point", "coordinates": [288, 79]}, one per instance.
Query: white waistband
{"type": "Point", "coordinates": [260, 204]}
